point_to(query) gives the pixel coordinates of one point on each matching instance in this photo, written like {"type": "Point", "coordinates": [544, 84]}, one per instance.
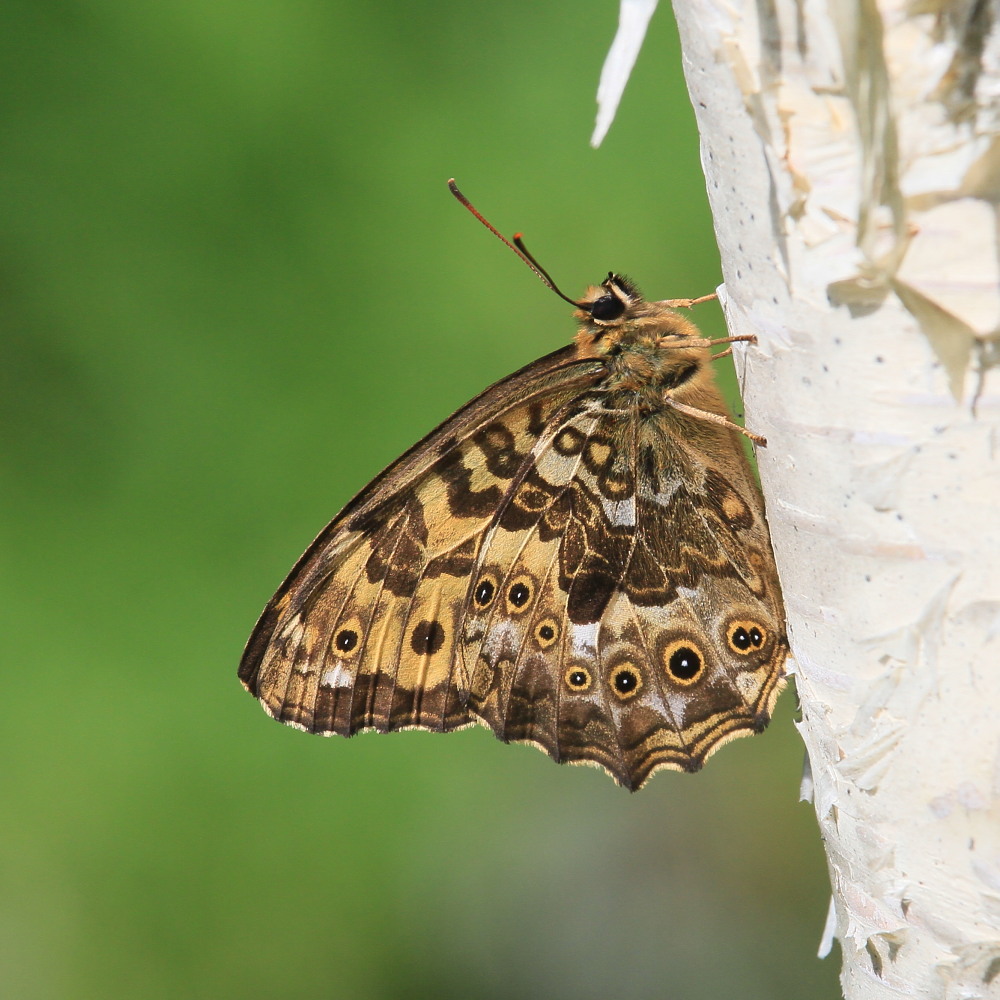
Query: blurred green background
{"type": "Point", "coordinates": [234, 286]}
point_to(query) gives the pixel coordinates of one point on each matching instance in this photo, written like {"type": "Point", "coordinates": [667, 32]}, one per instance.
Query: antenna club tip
{"type": "Point", "coordinates": [518, 236]}
{"type": "Point", "coordinates": [453, 187]}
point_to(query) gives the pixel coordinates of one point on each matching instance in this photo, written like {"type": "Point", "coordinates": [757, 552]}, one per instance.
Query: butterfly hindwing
{"type": "Point", "coordinates": [591, 632]}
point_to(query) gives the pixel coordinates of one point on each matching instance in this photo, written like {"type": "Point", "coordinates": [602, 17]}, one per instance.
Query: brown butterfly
{"type": "Point", "coordinates": [578, 558]}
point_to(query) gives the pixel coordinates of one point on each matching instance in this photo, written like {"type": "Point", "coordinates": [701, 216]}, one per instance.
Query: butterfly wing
{"type": "Point", "coordinates": [626, 610]}
{"type": "Point", "coordinates": [589, 579]}
{"type": "Point", "coordinates": [362, 634]}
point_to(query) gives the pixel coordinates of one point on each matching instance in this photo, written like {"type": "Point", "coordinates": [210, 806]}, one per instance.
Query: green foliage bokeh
{"type": "Point", "coordinates": [234, 286]}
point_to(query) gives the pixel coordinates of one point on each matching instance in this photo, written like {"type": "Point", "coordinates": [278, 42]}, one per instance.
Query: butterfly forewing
{"type": "Point", "coordinates": [362, 633]}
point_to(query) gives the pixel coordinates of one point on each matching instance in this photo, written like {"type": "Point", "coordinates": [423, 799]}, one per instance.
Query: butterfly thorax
{"type": "Point", "coordinates": [650, 350]}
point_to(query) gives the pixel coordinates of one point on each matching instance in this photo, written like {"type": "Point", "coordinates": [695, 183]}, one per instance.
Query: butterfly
{"type": "Point", "coordinates": [577, 559]}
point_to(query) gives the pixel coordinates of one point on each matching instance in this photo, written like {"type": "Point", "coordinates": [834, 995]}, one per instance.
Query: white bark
{"type": "Point", "coordinates": [633, 19]}
{"type": "Point", "coordinates": [852, 157]}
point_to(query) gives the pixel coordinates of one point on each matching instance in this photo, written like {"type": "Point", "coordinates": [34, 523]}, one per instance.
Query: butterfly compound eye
{"type": "Point", "coordinates": [607, 307]}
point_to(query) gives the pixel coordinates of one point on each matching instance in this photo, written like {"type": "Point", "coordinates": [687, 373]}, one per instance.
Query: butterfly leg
{"type": "Point", "coordinates": [715, 418]}
{"type": "Point", "coordinates": [687, 303]}
{"type": "Point", "coordinates": [685, 342]}
{"type": "Point", "coordinates": [748, 338]}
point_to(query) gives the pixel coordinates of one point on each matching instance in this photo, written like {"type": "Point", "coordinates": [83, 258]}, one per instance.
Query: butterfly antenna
{"type": "Point", "coordinates": [525, 252]}
{"type": "Point", "coordinates": [517, 246]}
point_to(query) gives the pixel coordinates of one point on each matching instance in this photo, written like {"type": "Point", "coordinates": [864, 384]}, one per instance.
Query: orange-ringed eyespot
{"type": "Point", "coordinates": [346, 640]}
{"type": "Point", "coordinates": [546, 633]}
{"type": "Point", "coordinates": [484, 592]}
{"type": "Point", "coordinates": [746, 636]}
{"type": "Point", "coordinates": [519, 594]}
{"type": "Point", "coordinates": [625, 681]}
{"type": "Point", "coordinates": [683, 661]}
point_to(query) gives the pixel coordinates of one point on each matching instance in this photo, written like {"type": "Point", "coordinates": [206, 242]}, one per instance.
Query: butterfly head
{"type": "Point", "coordinates": [606, 304]}
{"type": "Point", "coordinates": [614, 315]}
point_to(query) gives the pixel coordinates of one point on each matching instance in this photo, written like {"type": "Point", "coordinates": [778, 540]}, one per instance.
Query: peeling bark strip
{"type": "Point", "coordinates": [852, 157]}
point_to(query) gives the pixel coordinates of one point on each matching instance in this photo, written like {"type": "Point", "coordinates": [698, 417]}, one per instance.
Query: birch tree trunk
{"type": "Point", "coordinates": [852, 158]}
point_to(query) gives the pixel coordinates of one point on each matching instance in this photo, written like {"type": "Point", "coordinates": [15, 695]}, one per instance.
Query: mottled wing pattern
{"type": "Point", "coordinates": [362, 634]}
{"type": "Point", "coordinates": [596, 581]}
{"type": "Point", "coordinates": [625, 611]}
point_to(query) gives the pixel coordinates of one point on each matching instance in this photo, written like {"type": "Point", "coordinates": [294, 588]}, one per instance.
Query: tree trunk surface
{"type": "Point", "coordinates": [852, 159]}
